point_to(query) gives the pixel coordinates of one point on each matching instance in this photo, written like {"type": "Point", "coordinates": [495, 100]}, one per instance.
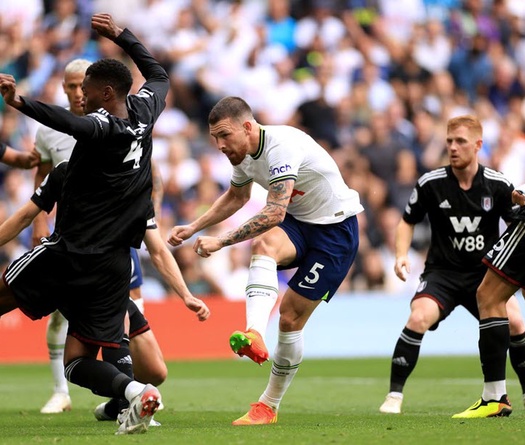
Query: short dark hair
{"type": "Point", "coordinates": [230, 107]}
{"type": "Point", "coordinates": [111, 72]}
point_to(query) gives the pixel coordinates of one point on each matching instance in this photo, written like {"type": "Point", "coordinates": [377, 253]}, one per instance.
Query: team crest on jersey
{"type": "Point", "coordinates": [421, 286]}
{"type": "Point", "coordinates": [486, 203]}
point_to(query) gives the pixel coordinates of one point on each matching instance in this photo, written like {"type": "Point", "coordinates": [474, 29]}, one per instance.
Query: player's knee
{"type": "Point", "coordinates": [155, 372]}
{"type": "Point", "coordinates": [290, 323]}
{"type": "Point", "coordinates": [420, 321]}
{"type": "Point", "coordinates": [262, 245]}
{"type": "Point", "coordinates": [160, 375]}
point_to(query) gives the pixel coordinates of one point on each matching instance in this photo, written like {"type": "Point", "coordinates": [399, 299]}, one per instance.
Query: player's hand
{"type": "Point", "coordinates": [205, 245]}
{"type": "Point", "coordinates": [8, 90]}
{"type": "Point", "coordinates": [105, 26]}
{"type": "Point", "coordinates": [402, 267]}
{"type": "Point", "coordinates": [31, 159]}
{"type": "Point", "coordinates": [179, 234]}
{"type": "Point", "coordinates": [197, 306]}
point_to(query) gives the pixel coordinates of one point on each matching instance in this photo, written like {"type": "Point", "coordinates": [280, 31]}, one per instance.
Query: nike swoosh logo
{"type": "Point", "coordinates": [304, 286]}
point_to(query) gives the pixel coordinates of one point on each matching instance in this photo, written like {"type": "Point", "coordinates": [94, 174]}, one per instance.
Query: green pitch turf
{"type": "Point", "coordinates": [330, 402]}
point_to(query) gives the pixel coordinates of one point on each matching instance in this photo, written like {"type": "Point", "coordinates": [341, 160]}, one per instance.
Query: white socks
{"type": "Point", "coordinates": [261, 292]}
{"type": "Point", "coordinates": [287, 358]}
{"type": "Point", "coordinates": [494, 390]}
{"type": "Point", "coordinates": [56, 340]}
{"type": "Point", "coordinates": [133, 390]}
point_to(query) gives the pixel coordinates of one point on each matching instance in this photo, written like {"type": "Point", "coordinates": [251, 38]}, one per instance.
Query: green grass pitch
{"type": "Point", "coordinates": [329, 402]}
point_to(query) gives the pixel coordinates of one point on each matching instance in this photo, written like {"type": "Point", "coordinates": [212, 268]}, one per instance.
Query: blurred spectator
{"type": "Point", "coordinates": [279, 26]}
{"type": "Point", "coordinates": [471, 67]}
{"type": "Point", "coordinates": [506, 86]}
{"type": "Point", "coordinates": [432, 49]}
{"type": "Point", "coordinates": [64, 31]}
{"type": "Point", "coordinates": [186, 49]}
{"type": "Point", "coordinates": [508, 157]}
{"type": "Point", "coordinates": [318, 117]}
{"type": "Point", "coordinates": [322, 23]}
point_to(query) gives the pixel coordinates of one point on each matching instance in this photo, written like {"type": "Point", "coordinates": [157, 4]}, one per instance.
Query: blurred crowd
{"type": "Point", "coordinates": [374, 81]}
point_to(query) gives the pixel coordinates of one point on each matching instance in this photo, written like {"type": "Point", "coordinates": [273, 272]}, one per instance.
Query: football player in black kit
{"type": "Point", "coordinates": [464, 202]}
{"type": "Point", "coordinates": [84, 268]}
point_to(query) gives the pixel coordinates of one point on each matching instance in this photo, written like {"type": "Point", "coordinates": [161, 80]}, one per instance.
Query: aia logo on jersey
{"type": "Point", "coordinates": [486, 203]}
{"type": "Point", "coordinates": [421, 286]}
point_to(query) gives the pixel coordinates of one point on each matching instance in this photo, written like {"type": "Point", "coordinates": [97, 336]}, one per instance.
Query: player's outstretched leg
{"type": "Point", "coordinates": [249, 344]}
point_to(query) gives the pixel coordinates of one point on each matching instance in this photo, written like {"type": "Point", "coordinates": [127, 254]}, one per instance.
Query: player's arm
{"type": "Point", "coordinates": [403, 240]}
{"type": "Point", "coordinates": [156, 77]}
{"type": "Point", "coordinates": [18, 159]}
{"type": "Point", "coordinates": [18, 221]}
{"type": "Point", "coordinates": [52, 116]}
{"type": "Point", "coordinates": [228, 203]}
{"type": "Point", "coordinates": [157, 192]}
{"type": "Point", "coordinates": [168, 268]}
{"type": "Point", "coordinates": [271, 215]}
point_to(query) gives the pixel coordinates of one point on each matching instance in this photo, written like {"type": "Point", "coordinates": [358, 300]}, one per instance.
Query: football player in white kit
{"type": "Point", "coordinates": [309, 222]}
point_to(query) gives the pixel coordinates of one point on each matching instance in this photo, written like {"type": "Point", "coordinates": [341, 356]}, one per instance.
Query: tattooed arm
{"type": "Point", "coordinates": [270, 215]}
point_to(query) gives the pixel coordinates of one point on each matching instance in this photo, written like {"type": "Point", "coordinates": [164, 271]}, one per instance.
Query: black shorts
{"type": "Point", "coordinates": [137, 322]}
{"type": "Point", "coordinates": [507, 256]}
{"type": "Point", "coordinates": [450, 289]}
{"type": "Point", "coordinates": [91, 291]}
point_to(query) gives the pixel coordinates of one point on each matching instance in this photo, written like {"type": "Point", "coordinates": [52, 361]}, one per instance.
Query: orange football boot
{"type": "Point", "coordinates": [249, 344]}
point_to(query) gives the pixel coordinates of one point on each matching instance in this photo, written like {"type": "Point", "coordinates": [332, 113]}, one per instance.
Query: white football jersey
{"type": "Point", "coordinates": [53, 145]}
{"type": "Point", "coordinates": [320, 195]}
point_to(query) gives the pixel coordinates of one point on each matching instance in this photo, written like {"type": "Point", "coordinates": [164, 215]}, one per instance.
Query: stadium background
{"type": "Point", "coordinates": [389, 73]}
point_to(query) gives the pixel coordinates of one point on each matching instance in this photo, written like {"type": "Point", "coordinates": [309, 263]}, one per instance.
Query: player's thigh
{"type": "Point", "coordinates": [493, 294]}
{"type": "Point", "coordinates": [274, 243]}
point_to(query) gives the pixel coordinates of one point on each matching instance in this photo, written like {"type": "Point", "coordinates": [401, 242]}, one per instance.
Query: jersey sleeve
{"type": "Point", "coordinates": [284, 163]}
{"type": "Point", "coordinates": [41, 146]}
{"type": "Point", "coordinates": [60, 119]}
{"type": "Point", "coordinates": [239, 178]}
{"type": "Point", "coordinates": [156, 88]}
{"type": "Point", "coordinates": [49, 191]}
{"type": "Point", "coordinates": [151, 223]}
{"type": "Point", "coordinates": [416, 209]}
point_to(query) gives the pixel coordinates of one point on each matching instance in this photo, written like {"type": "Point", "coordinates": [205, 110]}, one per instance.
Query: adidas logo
{"type": "Point", "coordinates": [401, 361]}
{"type": "Point", "coordinates": [445, 205]}
{"type": "Point", "coordinates": [125, 360]}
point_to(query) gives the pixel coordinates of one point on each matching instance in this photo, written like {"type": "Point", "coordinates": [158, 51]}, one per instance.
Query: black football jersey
{"type": "Point", "coordinates": [107, 184]}
{"type": "Point", "coordinates": [464, 223]}
{"type": "Point", "coordinates": [49, 193]}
